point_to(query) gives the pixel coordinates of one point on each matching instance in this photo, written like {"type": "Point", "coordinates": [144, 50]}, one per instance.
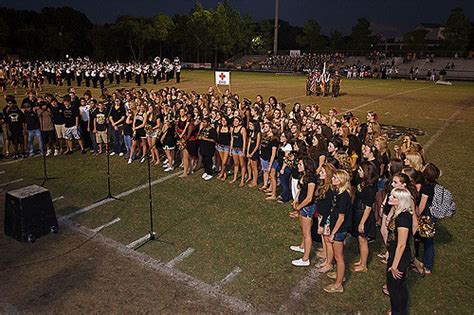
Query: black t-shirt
{"type": "Point", "coordinates": [325, 204]}
{"type": "Point", "coordinates": [304, 183]}
{"type": "Point", "coordinates": [15, 120]}
{"type": "Point", "coordinates": [266, 148]}
{"type": "Point", "coordinates": [343, 206]}
{"type": "Point", "coordinates": [118, 113]}
{"type": "Point", "coordinates": [70, 115]}
{"type": "Point", "coordinates": [32, 120]}
{"type": "Point", "coordinates": [58, 114]}
{"type": "Point", "coordinates": [100, 118]}
{"type": "Point", "coordinates": [29, 102]}
{"type": "Point", "coordinates": [405, 220]}
{"type": "Point", "coordinates": [365, 197]}
{"type": "Point", "coordinates": [127, 128]}
{"type": "Point", "coordinates": [428, 190]}
{"type": "Point", "coordinates": [207, 148]}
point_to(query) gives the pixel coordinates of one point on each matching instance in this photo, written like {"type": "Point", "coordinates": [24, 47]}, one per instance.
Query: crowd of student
{"type": "Point", "coordinates": [336, 171]}
{"type": "Point", "coordinates": [305, 61]}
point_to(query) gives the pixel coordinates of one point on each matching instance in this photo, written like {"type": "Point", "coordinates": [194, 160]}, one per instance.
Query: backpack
{"type": "Point", "coordinates": [443, 205]}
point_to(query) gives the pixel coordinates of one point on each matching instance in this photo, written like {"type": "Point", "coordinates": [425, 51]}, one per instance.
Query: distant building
{"type": "Point", "coordinates": [434, 31]}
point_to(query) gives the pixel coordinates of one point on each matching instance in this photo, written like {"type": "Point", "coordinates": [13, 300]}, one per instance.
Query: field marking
{"type": "Point", "coordinates": [11, 182]}
{"type": "Point", "coordinates": [201, 287]}
{"type": "Point", "coordinates": [18, 160]}
{"type": "Point", "coordinates": [303, 287]}
{"type": "Point", "coordinates": [443, 128]}
{"type": "Point", "coordinates": [234, 273]}
{"type": "Point", "coordinates": [121, 195]}
{"type": "Point", "coordinates": [57, 198]}
{"type": "Point", "coordinates": [2, 172]}
{"type": "Point", "coordinates": [180, 257]}
{"type": "Point", "coordinates": [135, 243]}
{"type": "Point", "coordinates": [100, 228]}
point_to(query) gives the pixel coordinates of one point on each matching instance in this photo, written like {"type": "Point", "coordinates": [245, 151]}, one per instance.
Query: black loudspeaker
{"type": "Point", "coordinates": [29, 213]}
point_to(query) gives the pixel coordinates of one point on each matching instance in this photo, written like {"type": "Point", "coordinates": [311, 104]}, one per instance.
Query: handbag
{"type": "Point", "coordinates": [426, 227]}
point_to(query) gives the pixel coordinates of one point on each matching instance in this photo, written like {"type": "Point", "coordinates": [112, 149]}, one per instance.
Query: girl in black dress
{"type": "Point", "coordinates": [139, 135]}
{"type": "Point", "coordinates": [363, 222]}
{"type": "Point", "coordinates": [238, 144]}
{"type": "Point", "coordinates": [223, 146]}
{"type": "Point", "coordinates": [399, 256]}
{"type": "Point", "coordinates": [255, 137]}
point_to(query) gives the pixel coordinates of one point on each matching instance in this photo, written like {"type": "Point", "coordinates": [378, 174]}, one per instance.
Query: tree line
{"type": "Point", "coordinates": [203, 35]}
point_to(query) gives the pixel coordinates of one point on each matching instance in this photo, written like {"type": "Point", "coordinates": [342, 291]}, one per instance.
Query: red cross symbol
{"type": "Point", "coordinates": [222, 76]}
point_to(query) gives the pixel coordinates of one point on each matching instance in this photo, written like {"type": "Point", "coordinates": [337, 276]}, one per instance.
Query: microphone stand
{"type": "Point", "coordinates": [45, 170]}
{"type": "Point", "coordinates": [151, 233]}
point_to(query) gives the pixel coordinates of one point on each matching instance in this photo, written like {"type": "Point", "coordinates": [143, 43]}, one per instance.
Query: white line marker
{"type": "Point", "coordinates": [100, 228]}
{"type": "Point", "coordinates": [229, 277]}
{"type": "Point", "coordinates": [442, 129]}
{"type": "Point", "coordinates": [301, 289]}
{"type": "Point", "coordinates": [180, 257]}
{"type": "Point", "coordinates": [58, 198]}
{"type": "Point", "coordinates": [135, 243]}
{"type": "Point", "coordinates": [12, 182]}
{"type": "Point", "coordinates": [200, 286]}
{"type": "Point", "coordinates": [2, 172]}
{"type": "Point", "coordinates": [124, 194]}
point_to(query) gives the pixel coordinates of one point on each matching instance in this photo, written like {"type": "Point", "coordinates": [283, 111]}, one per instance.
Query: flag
{"type": "Point", "coordinates": [222, 78]}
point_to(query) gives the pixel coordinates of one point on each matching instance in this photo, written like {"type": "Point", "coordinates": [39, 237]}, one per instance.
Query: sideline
{"type": "Point", "coordinates": [201, 287]}
{"type": "Point", "coordinates": [443, 128]}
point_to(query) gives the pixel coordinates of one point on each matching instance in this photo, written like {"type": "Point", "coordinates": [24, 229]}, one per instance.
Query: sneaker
{"type": "Point", "coordinates": [208, 177]}
{"type": "Point", "coordinates": [300, 263]}
{"type": "Point", "coordinates": [165, 161]}
{"type": "Point", "coordinates": [112, 154]}
{"type": "Point", "coordinates": [169, 169]}
{"type": "Point", "coordinates": [333, 275]}
{"type": "Point", "coordinates": [297, 249]}
{"type": "Point", "coordinates": [143, 159]}
{"type": "Point", "coordinates": [332, 289]}
{"type": "Point", "coordinates": [129, 161]}
{"type": "Point", "coordinates": [121, 154]}
{"type": "Point", "coordinates": [56, 152]}
{"type": "Point", "coordinates": [48, 153]}
{"type": "Point", "coordinates": [204, 175]}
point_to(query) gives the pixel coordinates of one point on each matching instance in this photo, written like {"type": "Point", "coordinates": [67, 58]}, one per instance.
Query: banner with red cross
{"type": "Point", "coordinates": [222, 78]}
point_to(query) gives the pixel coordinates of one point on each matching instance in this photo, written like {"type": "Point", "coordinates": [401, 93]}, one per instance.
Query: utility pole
{"type": "Point", "coordinates": [275, 36]}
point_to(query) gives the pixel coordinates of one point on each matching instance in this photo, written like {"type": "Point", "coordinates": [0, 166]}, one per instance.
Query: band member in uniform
{"type": "Point", "coordinates": [336, 84]}
{"type": "Point", "coordinates": [178, 72]}
{"type": "Point", "coordinates": [319, 83]}
{"type": "Point", "coordinates": [327, 82]}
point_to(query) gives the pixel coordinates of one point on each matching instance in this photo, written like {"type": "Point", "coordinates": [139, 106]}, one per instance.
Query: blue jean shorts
{"type": "Point", "coordinates": [237, 151]}
{"type": "Point", "coordinates": [265, 164]}
{"type": "Point", "coordinates": [308, 211]}
{"type": "Point", "coordinates": [340, 236]}
{"type": "Point", "coordinates": [222, 148]}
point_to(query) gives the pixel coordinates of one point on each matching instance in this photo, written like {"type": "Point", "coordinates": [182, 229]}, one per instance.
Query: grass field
{"type": "Point", "coordinates": [231, 227]}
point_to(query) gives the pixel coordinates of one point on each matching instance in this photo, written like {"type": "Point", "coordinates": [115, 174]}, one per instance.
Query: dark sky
{"type": "Point", "coordinates": [388, 17]}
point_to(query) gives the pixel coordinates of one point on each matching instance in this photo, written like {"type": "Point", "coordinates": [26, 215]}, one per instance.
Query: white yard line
{"type": "Point", "coordinates": [438, 133]}
{"type": "Point", "coordinates": [58, 198]}
{"type": "Point", "coordinates": [201, 287]}
{"type": "Point", "coordinates": [121, 195]}
{"type": "Point", "coordinates": [2, 172]}
{"type": "Point", "coordinates": [11, 182]}
{"type": "Point", "coordinates": [303, 287]}
{"type": "Point", "coordinates": [135, 243]}
{"type": "Point", "coordinates": [180, 257]}
{"type": "Point", "coordinates": [100, 228]}
{"type": "Point", "coordinates": [234, 273]}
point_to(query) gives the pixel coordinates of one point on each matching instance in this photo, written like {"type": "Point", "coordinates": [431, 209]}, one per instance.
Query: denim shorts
{"type": "Point", "coordinates": [237, 151]}
{"type": "Point", "coordinates": [340, 236]}
{"type": "Point", "coordinates": [265, 164]}
{"type": "Point", "coordinates": [222, 148]}
{"type": "Point", "coordinates": [308, 211]}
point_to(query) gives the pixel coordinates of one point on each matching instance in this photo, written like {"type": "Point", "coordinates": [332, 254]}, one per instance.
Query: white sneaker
{"type": "Point", "coordinates": [142, 160]}
{"type": "Point", "coordinates": [48, 153]}
{"type": "Point", "coordinates": [165, 161]}
{"type": "Point", "coordinates": [208, 177]}
{"type": "Point", "coordinates": [169, 169]}
{"type": "Point", "coordinates": [297, 249]}
{"type": "Point", "coordinates": [129, 161]}
{"type": "Point", "coordinates": [112, 154]}
{"type": "Point", "coordinates": [204, 175]}
{"type": "Point", "coordinates": [300, 263]}
{"type": "Point", "coordinates": [121, 154]}
{"type": "Point", "coordinates": [165, 165]}
{"type": "Point", "coordinates": [56, 152]}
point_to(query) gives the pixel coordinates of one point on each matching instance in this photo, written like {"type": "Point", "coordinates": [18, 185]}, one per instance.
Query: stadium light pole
{"type": "Point", "coordinates": [275, 35]}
